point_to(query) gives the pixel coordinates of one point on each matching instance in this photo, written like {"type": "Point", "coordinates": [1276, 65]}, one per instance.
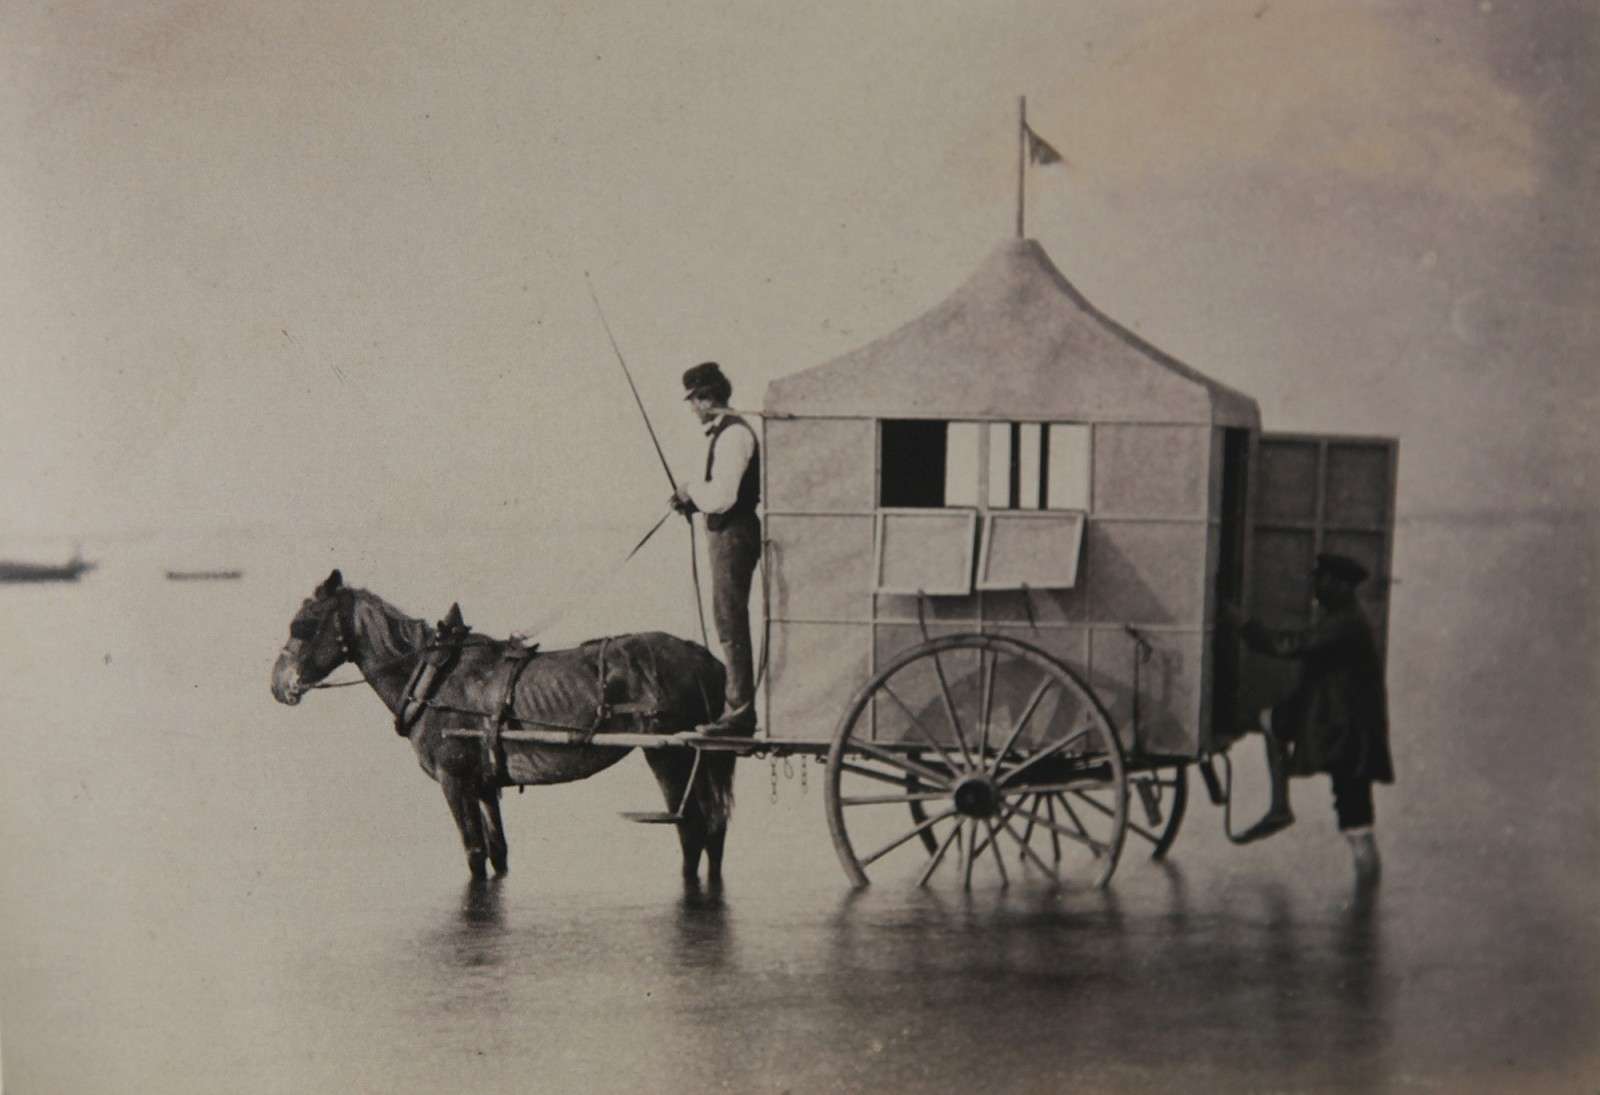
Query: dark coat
{"type": "Point", "coordinates": [1337, 717]}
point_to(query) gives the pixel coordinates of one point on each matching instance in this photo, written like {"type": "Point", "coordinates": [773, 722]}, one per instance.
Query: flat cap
{"type": "Point", "coordinates": [705, 379]}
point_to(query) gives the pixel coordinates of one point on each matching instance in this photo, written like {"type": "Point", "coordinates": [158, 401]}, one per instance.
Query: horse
{"type": "Point", "coordinates": [650, 682]}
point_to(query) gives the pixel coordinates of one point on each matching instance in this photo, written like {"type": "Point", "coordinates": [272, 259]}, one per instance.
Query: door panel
{"type": "Point", "coordinates": [1286, 486]}
{"type": "Point", "coordinates": [1313, 494]}
{"type": "Point", "coordinates": [1358, 485]}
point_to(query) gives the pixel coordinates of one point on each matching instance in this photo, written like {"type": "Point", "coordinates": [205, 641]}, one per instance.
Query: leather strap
{"type": "Point", "coordinates": [518, 656]}
{"type": "Point", "coordinates": [436, 663]}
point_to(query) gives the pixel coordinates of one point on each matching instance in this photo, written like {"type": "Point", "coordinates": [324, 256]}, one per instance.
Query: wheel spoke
{"type": "Point", "coordinates": [1102, 807]}
{"type": "Point", "coordinates": [1135, 827]}
{"type": "Point", "coordinates": [905, 764]}
{"type": "Point", "coordinates": [1022, 723]}
{"type": "Point", "coordinates": [1081, 836]}
{"type": "Point", "coordinates": [881, 800]}
{"type": "Point", "coordinates": [1043, 754]}
{"type": "Point", "coordinates": [1055, 841]}
{"type": "Point", "coordinates": [933, 860]}
{"type": "Point", "coordinates": [1027, 850]}
{"type": "Point", "coordinates": [1006, 816]}
{"type": "Point", "coordinates": [1033, 819]}
{"type": "Point", "coordinates": [972, 855]}
{"type": "Point", "coordinates": [895, 843]}
{"type": "Point", "coordinates": [950, 709]}
{"type": "Point", "coordinates": [994, 849]}
{"type": "Point", "coordinates": [986, 692]}
{"type": "Point", "coordinates": [1076, 820]}
{"type": "Point", "coordinates": [1050, 788]}
{"type": "Point", "coordinates": [923, 730]}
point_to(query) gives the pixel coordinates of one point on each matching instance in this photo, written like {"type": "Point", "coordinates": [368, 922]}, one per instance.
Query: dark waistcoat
{"type": "Point", "coordinates": [749, 496]}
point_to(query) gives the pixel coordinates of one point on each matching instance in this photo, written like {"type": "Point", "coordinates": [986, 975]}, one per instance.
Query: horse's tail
{"type": "Point", "coordinates": [713, 791]}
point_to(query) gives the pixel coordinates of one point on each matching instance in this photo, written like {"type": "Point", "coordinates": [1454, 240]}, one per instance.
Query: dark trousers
{"type": "Point", "coordinates": [1352, 800]}
{"type": "Point", "coordinates": [735, 549]}
{"type": "Point", "coordinates": [1352, 791]}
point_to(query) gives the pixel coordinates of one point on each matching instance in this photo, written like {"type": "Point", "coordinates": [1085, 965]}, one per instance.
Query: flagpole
{"type": "Point", "coordinates": [1022, 155]}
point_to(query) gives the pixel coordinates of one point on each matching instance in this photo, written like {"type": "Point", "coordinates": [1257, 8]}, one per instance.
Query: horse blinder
{"type": "Point", "coordinates": [307, 629]}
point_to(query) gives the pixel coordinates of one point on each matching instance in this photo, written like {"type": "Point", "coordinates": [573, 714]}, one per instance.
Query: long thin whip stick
{"type": "Point", "coordinates": [599, 311]}
{"type": "Point", "coordinates": [694, 555]}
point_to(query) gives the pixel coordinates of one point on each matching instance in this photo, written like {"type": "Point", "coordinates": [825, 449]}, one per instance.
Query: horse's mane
{"type": "Point", "coordinates": [391, 632]}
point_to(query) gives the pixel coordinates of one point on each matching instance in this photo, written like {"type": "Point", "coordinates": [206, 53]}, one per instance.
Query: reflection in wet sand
{"type": "Point", "coordinates": [299, 920]}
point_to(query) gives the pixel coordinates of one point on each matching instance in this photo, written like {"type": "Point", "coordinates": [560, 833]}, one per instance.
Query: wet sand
{"type": "Point", "coordinates": [203, 891]}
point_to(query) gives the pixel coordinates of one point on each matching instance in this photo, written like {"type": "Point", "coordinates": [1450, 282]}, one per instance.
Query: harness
{"type": "Point", "coordinates": [442, 655]}
{"type": "Point", "coordinates": [436, 663]}
{"type": "Point", "coordinates": [612, 689]}
{"type": "Point", "coordinates": [516, 659]}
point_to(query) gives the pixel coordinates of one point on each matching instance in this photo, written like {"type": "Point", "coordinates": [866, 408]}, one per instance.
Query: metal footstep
{"type": "Point", "coordinates": [664, 817]}
{"type": "Point", "coordinates": [651, 817]}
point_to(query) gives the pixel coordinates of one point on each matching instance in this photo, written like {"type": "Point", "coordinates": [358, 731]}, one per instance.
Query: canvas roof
{"type": "Point", "coordinates": [1016, 342]}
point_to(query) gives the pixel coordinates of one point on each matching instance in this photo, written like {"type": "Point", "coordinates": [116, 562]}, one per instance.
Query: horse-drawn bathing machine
{"type": "Point", "coordinates": [996, 543]}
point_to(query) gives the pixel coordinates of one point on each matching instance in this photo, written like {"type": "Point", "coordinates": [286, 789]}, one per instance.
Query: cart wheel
{"type": "Point", "coordinates": [996, 750]}
{"type": "Point", "coordinates": [1162, 795]}
{"type": "Point", "coordinates": [919, 814]}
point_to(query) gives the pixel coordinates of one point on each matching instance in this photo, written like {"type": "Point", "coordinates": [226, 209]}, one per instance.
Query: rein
{"type": "Point", "coordinates": [347, 608]}
{"type": "Point", "coordinates": [437, 656]}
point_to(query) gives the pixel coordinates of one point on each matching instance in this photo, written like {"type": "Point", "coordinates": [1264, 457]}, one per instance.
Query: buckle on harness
{"type": "Point", "coordinates": [432, 668]}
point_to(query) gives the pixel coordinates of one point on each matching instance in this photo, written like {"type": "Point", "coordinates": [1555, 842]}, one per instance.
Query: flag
{"type": "Point", "coordinates": [1039, 149]}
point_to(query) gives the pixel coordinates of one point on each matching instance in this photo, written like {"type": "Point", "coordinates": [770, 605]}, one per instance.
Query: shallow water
{"type": "Point", "coordinates": [204, 891]}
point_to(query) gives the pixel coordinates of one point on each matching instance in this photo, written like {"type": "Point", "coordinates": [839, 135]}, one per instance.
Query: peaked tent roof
{"type": "Point", "coordinates": [1017, 341]}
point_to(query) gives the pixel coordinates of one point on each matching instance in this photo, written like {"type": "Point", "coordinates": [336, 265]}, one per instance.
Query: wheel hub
{"type": "Point", "coordinates": [976, 796]}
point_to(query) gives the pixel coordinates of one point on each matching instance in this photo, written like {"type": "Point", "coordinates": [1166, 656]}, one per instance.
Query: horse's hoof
{"type": "Point", "coordinates": [501, 868]}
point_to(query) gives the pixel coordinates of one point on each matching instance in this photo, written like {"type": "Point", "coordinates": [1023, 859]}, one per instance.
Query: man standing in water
{"type": "Point", "coordinates": [727, 494]}
{"type": "Point", "coordinates": [1336, 719]}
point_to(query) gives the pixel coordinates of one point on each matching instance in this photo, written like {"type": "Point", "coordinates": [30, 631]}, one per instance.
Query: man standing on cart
{"type": "Point", "coordinates": [1336, 719]}
{"type": "Point", "coordinates": [727, 494]}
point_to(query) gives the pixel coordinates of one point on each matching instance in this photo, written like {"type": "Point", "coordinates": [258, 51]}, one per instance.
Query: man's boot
{"type": "Point", "coordinates": [737, 722]}
{"type": "Point", "coordinates": [1278, 817]}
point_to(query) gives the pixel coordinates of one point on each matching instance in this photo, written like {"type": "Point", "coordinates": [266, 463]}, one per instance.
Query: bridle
{"type": "Point", "coordinates": [344, 622]}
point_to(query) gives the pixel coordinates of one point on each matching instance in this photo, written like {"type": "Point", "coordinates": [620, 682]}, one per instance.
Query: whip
{"type": "Point", "coordinates": [694, 555]}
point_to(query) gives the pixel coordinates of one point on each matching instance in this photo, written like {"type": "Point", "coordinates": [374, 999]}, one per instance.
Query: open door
{"type": "Point", "coordinates": [1314, 493]}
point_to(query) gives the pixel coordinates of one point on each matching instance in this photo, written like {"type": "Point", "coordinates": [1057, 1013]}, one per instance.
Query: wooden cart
{"type": "Point", "coordinates": [996, 541]}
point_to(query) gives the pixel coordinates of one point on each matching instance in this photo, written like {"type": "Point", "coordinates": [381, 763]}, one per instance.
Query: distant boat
{"type": "Point", "coordinates": [203, 575]}
{"type": "Point", "coordinates": [70, 571]}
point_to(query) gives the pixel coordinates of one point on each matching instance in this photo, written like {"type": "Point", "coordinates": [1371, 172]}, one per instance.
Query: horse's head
{"type": "Point", "coordinates": [319, 641]}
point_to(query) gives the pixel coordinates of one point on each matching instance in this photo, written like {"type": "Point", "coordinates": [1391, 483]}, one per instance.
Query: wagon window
{"type": "Point", "coordinates": [928, 464]}
{"type": "Point", "coordinates": [1038, 466]}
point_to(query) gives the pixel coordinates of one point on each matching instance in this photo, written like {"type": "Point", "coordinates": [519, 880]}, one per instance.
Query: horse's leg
{"type": "Point", "coordinates": [464, 808]}
{"type": "Point", "coordinates": [494, 829]}
{"type": "Point", "coordinates": [672, 768]}
{"type": "Point", "coordinates": [692, 840]}
{"type": "Point", "coordinates": [714, 803]}
{"type": "Point", "coordinates": [715, 838]}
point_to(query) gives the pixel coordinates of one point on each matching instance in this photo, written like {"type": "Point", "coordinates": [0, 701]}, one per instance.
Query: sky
{"type": "Point", "coordinates": [308, 265]}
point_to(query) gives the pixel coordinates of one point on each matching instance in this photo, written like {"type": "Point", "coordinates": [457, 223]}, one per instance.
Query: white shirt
{"type": "Point", "coordinates": [734, 448]}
